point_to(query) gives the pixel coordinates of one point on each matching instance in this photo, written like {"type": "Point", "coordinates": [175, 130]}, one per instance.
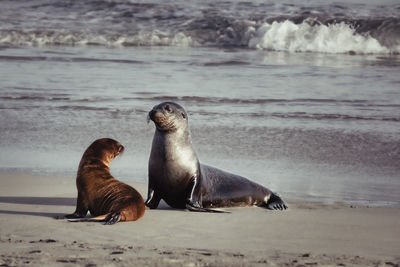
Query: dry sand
{"type": "Point", "coordinates": [308, 234]}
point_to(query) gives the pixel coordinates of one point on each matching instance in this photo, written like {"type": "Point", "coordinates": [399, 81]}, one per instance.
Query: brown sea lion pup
{"type": "Point", "coordinates": [99, 192]}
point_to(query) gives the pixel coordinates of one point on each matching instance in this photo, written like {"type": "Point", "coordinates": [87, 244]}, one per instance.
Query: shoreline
{"type": "Point", "coordinates": [309, 233]}
{"type": "Point", "coordinates": [296, 199]}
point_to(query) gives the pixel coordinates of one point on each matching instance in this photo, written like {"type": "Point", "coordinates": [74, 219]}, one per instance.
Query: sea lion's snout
{"type": "Point", "coordinates": [151, 115]}
{"type": "Point", "coordinates": [157, 116]}
{"type": "Point", "coordinates": [121, 150]}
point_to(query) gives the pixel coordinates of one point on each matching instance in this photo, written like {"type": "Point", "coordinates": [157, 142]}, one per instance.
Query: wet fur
{"type": "Point", "coordinates": [99, 192]}
{"type": "Point", "coordinates": [176, 175]}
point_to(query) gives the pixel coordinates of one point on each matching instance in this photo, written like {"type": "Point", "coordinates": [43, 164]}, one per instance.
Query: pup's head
{"type": "Point", "coordinates": [104, 149]}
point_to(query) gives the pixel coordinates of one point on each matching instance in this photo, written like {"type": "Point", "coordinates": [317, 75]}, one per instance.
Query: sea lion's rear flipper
{"type": "Point", "coordinates": [274, 202]}
{"type": "Point", "coordinates": [113, 219]}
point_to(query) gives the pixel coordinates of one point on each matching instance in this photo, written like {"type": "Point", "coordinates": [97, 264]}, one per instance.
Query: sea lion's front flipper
{"type": "Point", "coordinates": [153, 199]}
{"type": "Point", "coordinates": [81, 208]}
{"type": "Point", "coordinates": [79, 220]}
{"type": "Point", "coordinates": [74, 215]}
{"type": "Point", "coordinates": [108, 218]}
{"type": "Point", "coordinates": [193, 199]}
{"type": "Point", "coordinates": [197, 208]}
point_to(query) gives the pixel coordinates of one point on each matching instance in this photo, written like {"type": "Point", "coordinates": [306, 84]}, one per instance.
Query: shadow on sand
{"type": "Point", "coordinates": [31, 213]}
{"type": "Point", "coordinates": [56, 201]}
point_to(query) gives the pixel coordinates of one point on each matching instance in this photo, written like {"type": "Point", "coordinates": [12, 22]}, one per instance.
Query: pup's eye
{"type": "Point", "coordinates": [168, 108]}
{"type": "Point", "coordinates": [183, 115]}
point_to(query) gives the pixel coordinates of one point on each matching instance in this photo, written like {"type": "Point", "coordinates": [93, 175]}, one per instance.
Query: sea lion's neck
{"type": "Point", "coordinates": [93, 163]}
{"type": "Point", "coordinates": [181, 136]}
{"type": "Point", "coordinates": [172, 151]}
{"type": "Point", "coordinates": [169, 145]}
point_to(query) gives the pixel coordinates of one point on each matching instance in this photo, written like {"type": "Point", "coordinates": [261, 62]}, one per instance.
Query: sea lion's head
{"type": "Point", "coordinates": [168, 117]}
{"type": "Point", "coordinates": [104, 149]}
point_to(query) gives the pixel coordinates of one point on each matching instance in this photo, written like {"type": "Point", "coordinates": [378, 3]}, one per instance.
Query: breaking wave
{"type": "Point", "coordinates": [305, 37]}
{"type": "Point", "coordinates": [311, 27]}
{"type": "Point", "coordinates": [276, 36]}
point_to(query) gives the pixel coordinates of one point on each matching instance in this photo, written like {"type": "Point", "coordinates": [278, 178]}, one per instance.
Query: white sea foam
{"type": "Point", "coordinates": [63, 37]}
{"type": "Point", "coordinates": [306, 37]}
{"type": "Point", "coordinates": [309, 36]}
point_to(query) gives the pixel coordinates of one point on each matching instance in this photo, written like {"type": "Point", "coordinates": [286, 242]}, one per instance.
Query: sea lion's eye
{"type": "Point", "coordinates": [168, 108]}
{"type": "Point", "coordinates": [183, 115]}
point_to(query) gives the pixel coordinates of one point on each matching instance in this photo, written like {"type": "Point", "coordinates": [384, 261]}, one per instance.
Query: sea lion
{"type": "Point", "coordinates": [176, 175]}
{"type": "Point", "coordinates": [99, 192]}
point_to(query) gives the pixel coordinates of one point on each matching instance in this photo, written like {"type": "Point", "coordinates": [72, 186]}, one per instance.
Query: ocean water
{"type": "Point", "coordinates": [303, 98]}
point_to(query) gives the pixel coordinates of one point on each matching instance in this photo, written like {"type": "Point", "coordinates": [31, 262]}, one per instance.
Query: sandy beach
{"type": "Point", "coordinates": [308, 234]}
{"type": "Point", "coordinates": [301, 97]}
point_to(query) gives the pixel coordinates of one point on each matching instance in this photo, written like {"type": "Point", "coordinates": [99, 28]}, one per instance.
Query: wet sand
{"type": "Point", "coordinates": [308, 234]}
